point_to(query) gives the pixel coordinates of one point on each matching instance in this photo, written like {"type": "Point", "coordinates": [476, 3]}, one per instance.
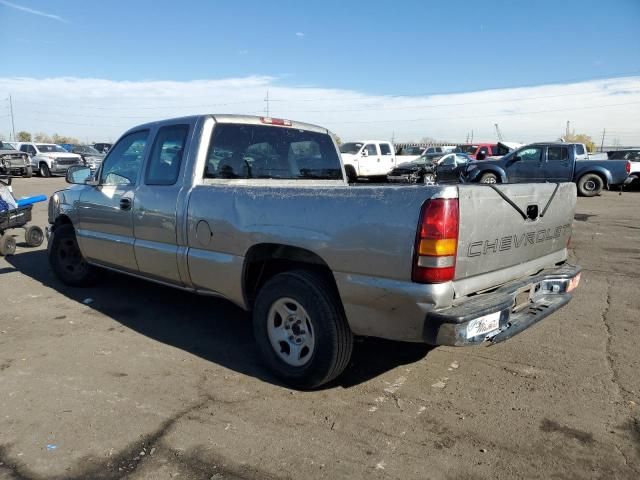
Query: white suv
{"type": "Point", "coordinates": [48, 158]}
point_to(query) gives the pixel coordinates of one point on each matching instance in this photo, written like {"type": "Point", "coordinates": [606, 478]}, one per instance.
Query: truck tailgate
{"type": "Point", "coordinates": [511, 230]}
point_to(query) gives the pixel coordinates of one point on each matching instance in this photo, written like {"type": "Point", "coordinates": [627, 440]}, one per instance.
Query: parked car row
{"type": "Point", "coordinates": [47, 159]}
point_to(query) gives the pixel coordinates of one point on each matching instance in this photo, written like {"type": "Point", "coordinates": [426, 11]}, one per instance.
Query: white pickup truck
{"type": "Point", "coordinates": [257, 210]}
{"type": "Point", "coordinates": [48, 158]}
{"type": "Point", "coordinates": [367, 159]}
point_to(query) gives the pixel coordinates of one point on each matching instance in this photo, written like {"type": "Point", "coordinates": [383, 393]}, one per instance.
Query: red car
{"type": "Point", "coordinates": [488, 149]}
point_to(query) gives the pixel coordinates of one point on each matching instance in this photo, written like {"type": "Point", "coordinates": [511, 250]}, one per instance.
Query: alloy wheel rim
{"type": "Point", "coordinates": [291, 332]}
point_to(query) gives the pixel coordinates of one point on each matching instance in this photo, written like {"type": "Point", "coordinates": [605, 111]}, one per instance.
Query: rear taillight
{"type": "Point", "coordinates": [434, 259]}
{"type": "Point", "coordinates": [628, 167]}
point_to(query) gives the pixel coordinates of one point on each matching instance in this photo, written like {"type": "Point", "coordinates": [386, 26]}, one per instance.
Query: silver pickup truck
{"type": "Point", "coordinates": [258, 210]}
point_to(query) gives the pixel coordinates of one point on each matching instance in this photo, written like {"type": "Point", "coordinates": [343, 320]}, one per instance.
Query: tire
{"type": "Point", "coordinates": [28, 172]}
{"type": "Point", "coordinates": [429, 178]}
{"type": "Point", "coordinates": [351, 174]}
{"type": "Point", "coordinates": [590, 185]}
{"type": "Point", "coordinates": [317, 320]}
{"type": "Point", "coordinates": [488, 178]}
{"type": "Point", "coordinates": [44, 170]}
{"type": "Point", "coordinates": [7, 245]}
{"type": "Point", "coordinates": [34, 236]}
{"type": "Point", "coordinates": [67, 261]}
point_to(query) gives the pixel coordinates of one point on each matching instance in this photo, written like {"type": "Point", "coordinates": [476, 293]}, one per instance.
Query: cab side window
{"type": "Point", "coordinates": [166, 155]}
{"type": "Point", "coordinates": [533, 154]}
{"type": "Point", "coordinates": [123, 163]}
{"type": "Point", "coordinates": [448, 160]}
{"type": "Point", "coordinates": [385, 149]}
{"type": "Point", "coordinates": [558, 154]}
{"type": "Point", "coordinates": [371, 149]}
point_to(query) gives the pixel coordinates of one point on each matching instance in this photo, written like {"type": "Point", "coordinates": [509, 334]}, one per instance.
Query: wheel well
{"type": "Point", "coordinates": [265, 260]}
{"type": "Point", "coordinates": [603, 177]}
{"type": "Point", "coordinates": [61, 220]}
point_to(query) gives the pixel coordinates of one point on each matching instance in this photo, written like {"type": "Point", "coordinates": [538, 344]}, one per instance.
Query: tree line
{"type": "Point", "coordinates": [41, 137]}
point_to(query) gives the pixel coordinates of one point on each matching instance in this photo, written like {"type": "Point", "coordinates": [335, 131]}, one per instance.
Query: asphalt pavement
{"type": "Point", "coordinates": [134, 380]}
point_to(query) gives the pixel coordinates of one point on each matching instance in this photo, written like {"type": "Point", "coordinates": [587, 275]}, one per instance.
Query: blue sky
{"type": "Point", "coordinates": [410, 47]}
{"type": "Point", "coordinates": [325, 62]}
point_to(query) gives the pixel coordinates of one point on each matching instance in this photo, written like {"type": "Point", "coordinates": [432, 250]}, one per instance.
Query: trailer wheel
{"type": "Point", "coordinates": [590, 185]}
{"type": "Point", "coordinates": [34, 236]}
{"type": "Point", "coordinates": [301, 330]}
{"type": "Point", "coordinates": [7, 244]}
{"type": "Point", "coordinates": [67, 261]}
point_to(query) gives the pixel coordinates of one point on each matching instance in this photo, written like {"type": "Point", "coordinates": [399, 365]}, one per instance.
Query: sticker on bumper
{"type": "Point", "coordinates": [483, 325]}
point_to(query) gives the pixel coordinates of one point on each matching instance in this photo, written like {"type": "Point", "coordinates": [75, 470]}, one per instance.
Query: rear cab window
{"type": "Point", "coordinates": [557, 154]}
{"type": "Point", "coordinates": [241, 151]}
{"type": "Point", "coordinates": [579, 150]}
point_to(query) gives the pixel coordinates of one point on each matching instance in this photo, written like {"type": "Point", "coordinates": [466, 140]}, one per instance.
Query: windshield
{"type": "Point", "coordinates": [5, 146]}
{"type": "Point", "coordinates": [89, 150]}
{"type": "Point", "coordinates": [45, 148]}
{"type": "Point", "coordinates": [351, 147]}
{"type": "Point", "coordinates": [468, 149]}
{"type": "Point", "coordinates": [257, 151]}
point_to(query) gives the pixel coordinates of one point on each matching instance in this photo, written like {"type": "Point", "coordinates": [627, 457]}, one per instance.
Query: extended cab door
{"type": "Point", "coordinates": [370, 161]}
{"type": "Point", "coordinates": [104, 227]}
{"type": "Point", "coordinates": [155, 217]}
{"type": "Point", "coordinates": [559, 167]}
{"type": "Point", "coordinates": [526, 166]}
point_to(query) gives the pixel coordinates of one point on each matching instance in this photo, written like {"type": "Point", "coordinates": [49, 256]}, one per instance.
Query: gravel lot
{"type": "Point", "coordinates": [149, 382]}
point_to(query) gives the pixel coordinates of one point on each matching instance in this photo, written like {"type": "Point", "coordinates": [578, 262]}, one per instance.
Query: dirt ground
{"type": "Point", "coordinates": [134, 380]}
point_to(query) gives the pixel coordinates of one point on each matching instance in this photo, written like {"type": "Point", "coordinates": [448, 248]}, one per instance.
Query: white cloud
{"type": "Point", "coordinates": [99, 109]}
{"type": "Point", "coordinates": [300, 34]}
{"type": "Point", "coordinates": [32, 11]}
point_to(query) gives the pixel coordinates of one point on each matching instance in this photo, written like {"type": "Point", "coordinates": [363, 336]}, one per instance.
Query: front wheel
{"type": "Point", "coordinates": [590, 185]}
{"type": "Point", "coordinates": [352, 177]}
{"type": "Point", "coordinates": [301, 330]}
{"type": "Point", "coordinates": [67, 261]}
{"type": "Point", "coordinates": [429, 178]}
{"type": "Point", "coordinates": [44, 170]}
{"type": "Point", "coordinates": [488, 178]}
{"type": "Point", "coordinates": [28, 172]}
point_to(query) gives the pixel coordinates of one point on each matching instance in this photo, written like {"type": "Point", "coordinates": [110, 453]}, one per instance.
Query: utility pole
{"type": "Point", "coordinates": [266, 99]}
{"type": "Point", "coordinates": [566, 133]}
{"type": "Point", "coordinates": [393, 137]}
{"type": "Point", "coordinates": [604, 131]}
{"type": "Point", "coordinates": [13, 125]}
{"type": "Point", "coordinates": [498, 132]}
{"type": "Point", "coordinates": [467, 141]}
{"type": "Point", "coordinates": [471, 135]}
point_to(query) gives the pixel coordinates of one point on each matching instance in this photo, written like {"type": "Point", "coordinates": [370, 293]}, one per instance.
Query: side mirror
{"type": "Point", "coordinates": [80, 175]}
{"type": "Point", "coordinates": [365, 153]}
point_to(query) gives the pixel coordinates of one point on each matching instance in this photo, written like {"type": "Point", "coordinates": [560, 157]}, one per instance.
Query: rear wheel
{"type": "Point", "coordinates": [301, 330]}
{"type": "Point", "coordinates": [351, 174]}
{"type": "Point", "coordinates": [34, 236]}
{"type": "Point", "coordinates": [7, 244]}
{"type": "Point", "coordinates": [488, 178]}
{"type": "Point", "coordinates": [44, 170]}
{"type": "Point", "coordinates": [67, 261]}
{"type": "Point", "coordinates": [590, 185]}
{"type": "Point", "coordinates": [28, 172]}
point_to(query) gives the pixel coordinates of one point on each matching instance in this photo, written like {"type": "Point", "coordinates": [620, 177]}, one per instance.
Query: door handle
{"type": "Point", "coordinates": [125, 204]}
